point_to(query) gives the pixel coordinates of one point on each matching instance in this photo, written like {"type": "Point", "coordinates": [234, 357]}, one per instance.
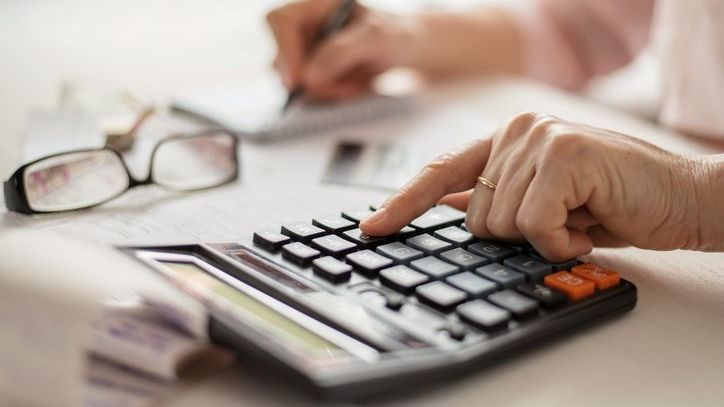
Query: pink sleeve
{"type": "Point", "coordinates": [566, 42]}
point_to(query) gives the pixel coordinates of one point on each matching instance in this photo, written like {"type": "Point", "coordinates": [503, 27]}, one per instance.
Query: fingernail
{"type": "Point", "coordinates": [376, 217]}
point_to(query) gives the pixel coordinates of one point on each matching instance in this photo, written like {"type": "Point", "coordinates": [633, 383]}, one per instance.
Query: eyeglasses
{"type": "Point", "coordinates": [84, 178]}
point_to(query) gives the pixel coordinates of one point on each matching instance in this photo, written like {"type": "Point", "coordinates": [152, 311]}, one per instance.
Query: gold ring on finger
{"type": "Point", "coordinates": [488, 183]}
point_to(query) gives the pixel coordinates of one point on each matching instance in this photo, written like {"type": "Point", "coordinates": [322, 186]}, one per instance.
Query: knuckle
{"type": "Point", "coordinates": [527, 225]}
{"type": "Point", "coordinates": [497, 226]}
{"type": "Point", "coordinates": [524, 119]}
{"type": "Point", "coordinates": [564, 144]}
{"type": "Point", "coordinates": [441, 164]}
{"type": "Point", "coordinates": [544, 125]}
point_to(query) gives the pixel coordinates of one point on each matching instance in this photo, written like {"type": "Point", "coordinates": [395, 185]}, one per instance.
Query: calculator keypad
{"type": "Point", "coordinates": [434, 272]}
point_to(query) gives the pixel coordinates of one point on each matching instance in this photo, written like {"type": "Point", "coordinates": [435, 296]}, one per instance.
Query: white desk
{"type": "Point", "coordinates": [668, 351]}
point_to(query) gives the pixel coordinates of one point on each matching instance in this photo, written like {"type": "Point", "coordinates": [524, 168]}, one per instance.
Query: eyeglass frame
{"type": "Point", "coordinates": [15, 192]}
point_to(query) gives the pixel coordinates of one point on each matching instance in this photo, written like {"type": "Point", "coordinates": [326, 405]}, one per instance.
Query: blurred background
{"type": "Point", "coordinates": [154, 47]}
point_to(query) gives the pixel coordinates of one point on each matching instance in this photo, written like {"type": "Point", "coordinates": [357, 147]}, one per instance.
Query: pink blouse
{"type": "Point", "coordinates": [567, 42]}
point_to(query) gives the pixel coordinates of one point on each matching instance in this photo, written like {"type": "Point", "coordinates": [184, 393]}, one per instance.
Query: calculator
{"type": "Point", "coordinates": [345, 316]}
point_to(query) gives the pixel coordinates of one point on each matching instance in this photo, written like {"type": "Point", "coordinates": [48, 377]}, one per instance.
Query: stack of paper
{"type": "Point", "coordinates": [91, 326]}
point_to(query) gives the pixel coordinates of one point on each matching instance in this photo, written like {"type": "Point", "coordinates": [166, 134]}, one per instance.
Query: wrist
{"type": "Point", "coordinates": [708, 181]}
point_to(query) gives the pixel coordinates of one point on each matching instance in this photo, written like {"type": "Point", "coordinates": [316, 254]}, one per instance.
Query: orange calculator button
{"type": "Point", "coordinates": [574, 287]}
{"type": "Point", "coordinates": [603, 277]}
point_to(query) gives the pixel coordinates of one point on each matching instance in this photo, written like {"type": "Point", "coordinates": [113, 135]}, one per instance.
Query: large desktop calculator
{"type": "Point", "coordinates": [345, 315]}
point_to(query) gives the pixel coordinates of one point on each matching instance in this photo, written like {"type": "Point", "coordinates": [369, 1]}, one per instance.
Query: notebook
{"type": "Point", "coordinates": [254, 110]}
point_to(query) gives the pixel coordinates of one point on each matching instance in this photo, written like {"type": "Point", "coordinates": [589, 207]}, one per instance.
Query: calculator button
{"type": "Point", "coordinates": [574, 287]}
{"type": "Point", "coordinates": [463, 258]}
{"type": "Point", "coordinates": [565, 265]}
{"type": "Point", "coordinates": [331, 269]}
{"type": "Point", "coordinates": [302, 231]}
{"type": "Point", "coordinates": [440, 295]}
{"type": "Point", "coordinates": [405, 233]}
{"type": "Point", "coordinates": [333, 245]}
{"type": "Point", "coordinates": [503, 276]}
{"type": "Point", "coordinates": [473, 284]}
{"type": "Point", "coordinates": [333, 224]}
{"type": "Point", "coordinates": [422, 317]}
{"type": "Point", "coordinates": [299, 253]}
{"type": "Point", "coordinates": [547, 296]}
{"type": "Point", "coordinates": [428, 244]}
{"type": "Point", "coordinates": [356, 236]}
{"type": "Point", "coordinates": [402, 278]}
{"type": "Point", "coordinates": [602, 277]}
{"type": "Point", "coordinates": [518, 304]}
{"type": "Point", "coordinates": [534, 269]}
{"type": "Point", "coordinates": [434, 267]}
{"type": "Point", "coordinates": [455, 235]}
{"type": "Point", "coordinates": [270, 240]}
{"type": "Point", "coordinates": [399, 252]}
{"type": "Point", "coordinates": [455, 330]}
{"type": "Point", "coordinates": [437, 217]}
{"type": "Point", "coordinates": [394, 301]}
{"type": "Point", "coordinates": [483, 315]}
{"type": "Point", "coordinates": [492, 251]}
{"type": "Point", "coordinates": [356, 215]}
{"type": "Point", "coordinates": [368, 262]}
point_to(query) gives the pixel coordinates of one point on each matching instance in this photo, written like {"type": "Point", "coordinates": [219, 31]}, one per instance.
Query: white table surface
{"type": "Point", "coordinates": [667, 351]}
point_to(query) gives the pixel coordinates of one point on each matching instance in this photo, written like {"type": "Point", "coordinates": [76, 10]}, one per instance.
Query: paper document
{"type": "Point", "coordinates": [92, 326]}
{"type": "Point", "coordinates": [254, 110]}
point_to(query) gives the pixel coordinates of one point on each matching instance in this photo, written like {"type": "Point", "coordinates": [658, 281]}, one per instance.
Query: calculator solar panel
{"type": "Point", "coordinates": [427, 303]}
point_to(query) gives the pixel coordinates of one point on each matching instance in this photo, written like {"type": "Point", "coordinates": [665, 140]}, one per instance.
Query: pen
{"type": "Point", "coordinates": [336, 21]}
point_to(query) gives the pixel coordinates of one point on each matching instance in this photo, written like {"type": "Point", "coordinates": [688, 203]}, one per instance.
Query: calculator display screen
{"type": "Point", "coordinates": [291, 334]}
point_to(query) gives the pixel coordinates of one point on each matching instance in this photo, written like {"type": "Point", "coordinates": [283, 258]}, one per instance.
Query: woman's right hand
{"type": "Point", "coordinates": [343, 66]}
{"type": "Point", "coordinates": [566, 186]}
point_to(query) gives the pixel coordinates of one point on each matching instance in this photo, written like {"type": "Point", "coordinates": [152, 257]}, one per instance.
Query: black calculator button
{"type": "Point", "coordinates": [302, 231]}
{"type": "Point", "coordinates": [483, 315]}
{"type": "Point", "coordinates": [334, 224]}
{"type": "Point", "coordinates": [562, 266]}
{"type": "Point", "coordinates": [503, 276]}
{"type": "Point", "coordinates": [434, 267]}
{"type": "Point", "coordinates": [440, 295]}
{"type": "Point", "coordinates": [492, 251]}
{"type": "Point", "coordinates": [356, 215]}
{"type": "Point", "coordinates": [547, 296]}
{"type": "Point", "coordinates": [455, 330]}
{"type": "Point", "coordinates": [394, 301]}
{"type": "Point", "coordinates": [270, 240]}
{"type": "Point", "coordinates": [518, 304]}
{"type": "Point", "coordinates": [333, 245]}
{"type": "Point", "coordinates": [428, 244]}
{"type": "Point", "coordinates": [437, 217]}
{"type": "Point", "coordinates": [368, 262]}
{"type": "Point", "coordinates": [473, 284]}
{"type": "Point", "coordinates": [356, 236]}
{"type": "Point", "coordinates": [332, 269]}
{"type": "Point", "coordinates": [402, 278]}
{"type": "Point", "coordinates": [399, 252]}
{"type": "Point", "coordinates": [534, 269]}
{"type": "Point", "coordinates": [299, 253]}
{"type": "Point", "coordinates": [455, 235]}
{"type": "Point", "coordinates": [463, 258]}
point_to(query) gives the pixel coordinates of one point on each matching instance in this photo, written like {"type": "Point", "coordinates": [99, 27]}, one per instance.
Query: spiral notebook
{"type": "Point", "coordinates": [255, 110]}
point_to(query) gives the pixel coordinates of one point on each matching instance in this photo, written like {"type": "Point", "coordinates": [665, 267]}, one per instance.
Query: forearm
{"type": "Point", "coordinates": [482, 41]}
{"type": "Point", "coordinates": [710, 200]}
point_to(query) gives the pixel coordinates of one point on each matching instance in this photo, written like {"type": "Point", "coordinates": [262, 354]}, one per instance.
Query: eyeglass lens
{"type": "Point", "coordinates": [74, 180]}
{"type": "Point", "coordinates": [195, 162]}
